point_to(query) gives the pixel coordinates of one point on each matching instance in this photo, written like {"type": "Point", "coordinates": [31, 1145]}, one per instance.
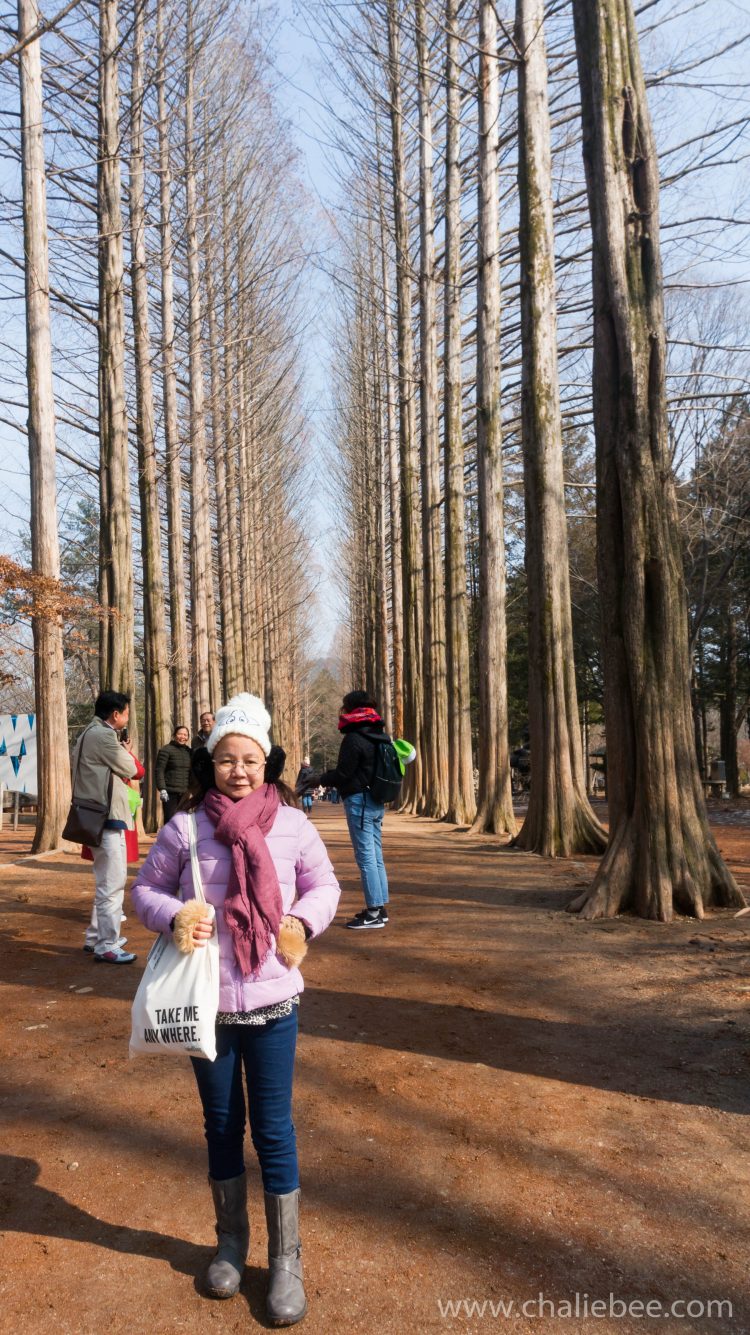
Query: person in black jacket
{"type": "Point", "coordinates": [173, 771]}
{"type": "Point", "coordinates": [306, 773]}
{"type": "Point", "coordinates": [207, 721]}
{"type": "Point", "coordinates": [359, 721]}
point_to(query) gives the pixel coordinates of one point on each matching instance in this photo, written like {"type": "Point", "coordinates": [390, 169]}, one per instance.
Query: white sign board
{"type": "Point", "coordinates": [18, 753]}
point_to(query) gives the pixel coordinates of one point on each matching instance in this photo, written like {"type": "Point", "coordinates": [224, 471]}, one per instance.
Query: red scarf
{"type": "Point", "coordinates": [253, 907]}
{"type": "Point", "coordinates": [365, 714]}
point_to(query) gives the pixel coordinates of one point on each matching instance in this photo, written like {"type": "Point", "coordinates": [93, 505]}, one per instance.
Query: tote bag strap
{"type": "Point", "coordinates": [194, 863]}
{"type": "Point", "coordinates": [80, 753]}
{"type": "Point", "coordinates": [74, 779]}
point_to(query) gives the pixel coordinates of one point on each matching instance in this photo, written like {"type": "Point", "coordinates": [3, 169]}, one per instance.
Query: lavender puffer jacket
{"type": "Point", "coordinates": [309, 890]}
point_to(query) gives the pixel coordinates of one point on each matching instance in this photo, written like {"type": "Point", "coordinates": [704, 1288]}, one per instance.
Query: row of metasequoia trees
{"type": "Point", "coordinates": [162, 259]}
{"type": "Point", "coordinates": [427, 411]}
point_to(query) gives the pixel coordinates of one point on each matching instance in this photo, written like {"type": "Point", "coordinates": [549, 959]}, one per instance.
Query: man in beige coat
{"type": "Point", "coordinates": [101, 769]}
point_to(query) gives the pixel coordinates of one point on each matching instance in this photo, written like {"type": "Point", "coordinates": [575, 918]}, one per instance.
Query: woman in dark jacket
{"type": "Point", "coordinates": [359, 722]}
{"type": "Point", "coordinates": [173, 771]}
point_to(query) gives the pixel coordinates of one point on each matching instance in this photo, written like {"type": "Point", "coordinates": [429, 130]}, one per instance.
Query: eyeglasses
{"type": "Point", "coordinates": [227, 764]}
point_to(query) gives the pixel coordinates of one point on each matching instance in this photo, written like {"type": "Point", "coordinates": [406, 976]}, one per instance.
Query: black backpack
{"type": "Point", "coordinates": [385, 784]}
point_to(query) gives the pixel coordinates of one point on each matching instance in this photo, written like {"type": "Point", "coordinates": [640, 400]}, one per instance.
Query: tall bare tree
{"type": "Point", "coordinates": [117, 656]}
{"type": "Point", "coordinates": [494, 801]}
{"type": "Point", "coordinates": [408, 450]}
{"type": "Point", "coordinates": [49, 667]}
{"type": "Point", "coordinates": [157, 721]}
{"type": "Point", "coordinates": [201, 565]}
{"type": "Point", "coordinates": [180, 676]}
{"type": "Point", "coordinates": [560, 820]}
{"type": "Point", "coordinates": [394, 547]}
{"type": "Point", "coordinates": [461, 796]}
{"type": "Point", "coordinates": [662, 855]}
{"type": "Point", "coordinates": [435, 743]}
{"type": "Point", "coordinates": [234, 658]}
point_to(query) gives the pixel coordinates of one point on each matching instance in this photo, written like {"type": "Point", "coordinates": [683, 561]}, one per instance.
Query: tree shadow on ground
{"type": "Point", "coordinates": [543, 1255]}
{"type": "Point", "coordinates": [690, 1061]}
{"type": "Point", "coordinates": [28, 964]}
{"type": "Point", "coordinates": [509, 1227]}
{"type": "Point", "coordinates": [603, 1056]}
{"type": "Point", "coordinates": [69, 912]}
{"type": "Point", "coordinates": [396, 1201]}
{"type": "Point", "coordinates": [71, 867]}
{"type": "Point", "coordinates": [555, 1163]}
{"type": "Point", "coordinates": [403, 1206]}
{"type": "Point", "coordinates": [28, 1207]}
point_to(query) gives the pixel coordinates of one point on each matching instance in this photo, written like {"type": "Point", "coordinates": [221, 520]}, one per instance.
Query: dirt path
{"type": "Point", "coordinates": [494, 1101]}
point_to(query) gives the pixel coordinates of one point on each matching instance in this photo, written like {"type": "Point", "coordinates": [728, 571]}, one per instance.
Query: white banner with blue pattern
{"type": "Point", "coordinates": [18, 753]}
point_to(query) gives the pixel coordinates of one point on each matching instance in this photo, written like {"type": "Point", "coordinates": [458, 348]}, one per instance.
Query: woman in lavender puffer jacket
{"type": "Point", "coordinates": [267, 874]}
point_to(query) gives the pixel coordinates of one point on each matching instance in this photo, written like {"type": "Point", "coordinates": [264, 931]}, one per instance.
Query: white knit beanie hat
{"type": "Point", "coordinates": [244, 715]}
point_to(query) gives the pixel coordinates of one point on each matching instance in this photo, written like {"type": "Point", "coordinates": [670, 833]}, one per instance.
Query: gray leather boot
{"type": "Point", "coordinates": [285, 1299]}
{"type": "Point", "coordinates": [233, 1232]}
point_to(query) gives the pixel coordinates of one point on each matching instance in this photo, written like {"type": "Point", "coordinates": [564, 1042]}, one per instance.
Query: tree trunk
{"type": "Point", "coordinates": [559, 821]}
{"type": "Point", "coordinates": [435, 744]}
{"type": "Point", "coordinates": [728, 704]}
{"type": "Point", "coordinates": [220, 448]}
{"type": "Point", "coordinates": [461, 797]}
{"type": "Point", "coordinates": [662, 855]}
{"type": "Point", "coordinates": [410, 544]}
{"type": "Point", "coordinates": [365, 448]}
{"type": "Point", "coordinates": [200, 532]}
{"type": "Point", "coordinates": [230, 438]}
{"type": "Point", "coordinates": [175, 531]}
{"type": "Point", "coordinates": [249, 575]}
{"type": "Point", "coordinates": [696, 708]}
{"type": "Point", "coordinates": [586, 740]}
{"type": "Point", "coordinates": [379, 494]}
{"type": "Point", "coordinates": [117, 657]}
{"type": "Point", "coordinates": [495, 802]}
{"type": "Point", "coordinates": [397, 600]}
{"type": "Point", "coordinates": [157, 723]}
{"type": "Point", "coordinates": [53, 761]}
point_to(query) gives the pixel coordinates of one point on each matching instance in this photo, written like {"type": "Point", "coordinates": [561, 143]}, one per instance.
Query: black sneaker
{"type": "Point", "coordinates": [383, 911]}
{"type": "Point", "coordinates": [366, 918]}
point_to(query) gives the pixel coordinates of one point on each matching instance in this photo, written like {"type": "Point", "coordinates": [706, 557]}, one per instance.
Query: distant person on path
{"type": "Point", "coordinates": [364, 732]}
{"type": "Point", "coordinates": [102, 769]}
{"type": "Point", "coordinates": [206, 724]}
{"type": "Point", "coordinates": [173, 771]}
{"type": "Point", "coordinates": [266, 871]}
{"type": "Point", "coordinates": [306, 772]}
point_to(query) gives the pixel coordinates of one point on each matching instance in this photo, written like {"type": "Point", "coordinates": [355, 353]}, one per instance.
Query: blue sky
{"type": "Point", "coordinates": [299, 64]}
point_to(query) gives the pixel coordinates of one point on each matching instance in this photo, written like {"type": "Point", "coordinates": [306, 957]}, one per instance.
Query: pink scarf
{"type": "Point", "coordinates": [364, 714]}
{"type": "Point", "coordinates": [252, 908]}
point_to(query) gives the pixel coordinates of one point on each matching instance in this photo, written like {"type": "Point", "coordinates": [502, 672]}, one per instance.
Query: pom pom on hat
{"type": "Point", "coordinates": [244, 716]}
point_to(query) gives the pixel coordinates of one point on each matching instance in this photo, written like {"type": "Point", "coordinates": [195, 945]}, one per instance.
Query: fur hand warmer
{"type": "Point", "coordinates": [291, 944]}
{"type": "Point", "coordinates": [183, 924]}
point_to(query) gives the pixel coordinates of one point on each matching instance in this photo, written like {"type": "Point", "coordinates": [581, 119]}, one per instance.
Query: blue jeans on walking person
{"type": "Point", "coordinates": [307, 803]}
{"type": "Point", "coordinates": [364, 816]}
{"type": "Point", "coordinates": [265, 1055]}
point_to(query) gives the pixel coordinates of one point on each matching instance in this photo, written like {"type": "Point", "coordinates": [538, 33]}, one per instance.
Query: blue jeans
{"type": "Point", "coordinates": [267, 1054]}
{"type": "Point", "coordinates": [364, 816]}
{"type": "Point", "coordinates": [307, 802]}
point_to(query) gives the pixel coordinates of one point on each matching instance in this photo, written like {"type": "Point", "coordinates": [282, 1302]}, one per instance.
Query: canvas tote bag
{"type": "Point", "coordinates": [175, 1007]}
